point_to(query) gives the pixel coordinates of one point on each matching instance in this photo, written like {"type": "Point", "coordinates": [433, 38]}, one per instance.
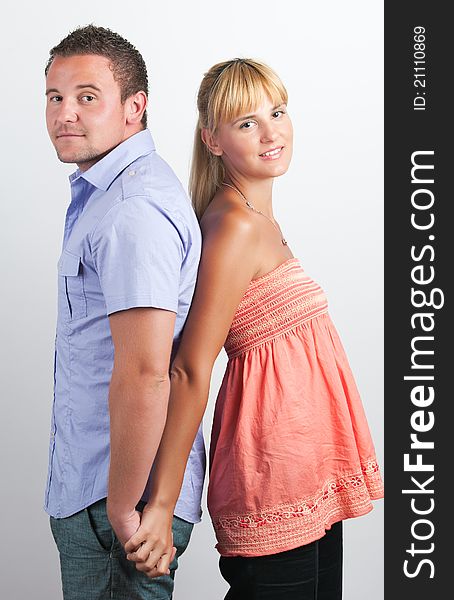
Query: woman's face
{"type": "Point", "coordinates": [257, 145]}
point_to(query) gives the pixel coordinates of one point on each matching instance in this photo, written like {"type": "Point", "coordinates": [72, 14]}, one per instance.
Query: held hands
{"type": "Point", "coordinates": [151, 546]}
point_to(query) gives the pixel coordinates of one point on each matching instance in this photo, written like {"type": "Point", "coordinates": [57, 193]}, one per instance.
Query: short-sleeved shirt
{"type": "Point", "coordinates": [131, 239]}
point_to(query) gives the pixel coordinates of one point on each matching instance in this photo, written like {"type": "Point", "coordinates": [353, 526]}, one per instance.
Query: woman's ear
{"type": "Point", "coordinates": [209, 139]}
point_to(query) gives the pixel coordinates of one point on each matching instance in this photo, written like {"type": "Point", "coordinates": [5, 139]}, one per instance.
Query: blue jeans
{"type": "Point", "coordinates": [94, 565]}
{"type": "Point", "coordinates": [311, 572]}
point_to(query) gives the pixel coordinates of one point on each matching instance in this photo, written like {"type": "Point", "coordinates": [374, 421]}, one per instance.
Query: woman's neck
{"type": "Point", "coordinates": [257, 192]}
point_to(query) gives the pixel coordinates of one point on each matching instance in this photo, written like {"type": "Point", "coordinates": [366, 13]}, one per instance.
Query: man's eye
{"type": "Point", "coordinates": [54, 98]}
{"type": "Point", "coordinates": [88, 98]}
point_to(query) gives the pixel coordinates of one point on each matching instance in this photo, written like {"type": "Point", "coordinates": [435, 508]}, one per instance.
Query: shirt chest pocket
{"type": "Point", "coordinates": [71, 284]}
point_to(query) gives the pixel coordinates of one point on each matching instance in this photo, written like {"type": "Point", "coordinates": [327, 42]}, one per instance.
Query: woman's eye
{"type": "Point", "coordinates": [278, 114]}
{"type": "Point", "coordinates": [246, 125]}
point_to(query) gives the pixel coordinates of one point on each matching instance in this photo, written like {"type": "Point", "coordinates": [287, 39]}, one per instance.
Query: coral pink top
{"type": "Point", "coordinates": [291, 451]}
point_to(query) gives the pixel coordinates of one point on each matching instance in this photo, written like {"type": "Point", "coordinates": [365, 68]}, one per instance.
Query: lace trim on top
{"type": "Point", "coordinates": [291, 525]}
{"type": "Point", "coordinates": [273, 305]}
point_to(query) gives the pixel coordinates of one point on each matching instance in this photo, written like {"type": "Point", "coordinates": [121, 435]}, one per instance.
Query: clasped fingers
{"type": "Point", "coordinates": [155, 564]}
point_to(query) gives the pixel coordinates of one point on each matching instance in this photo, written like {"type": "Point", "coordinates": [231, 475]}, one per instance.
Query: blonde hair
{"type": "Point", "coordinates": [228, 89]}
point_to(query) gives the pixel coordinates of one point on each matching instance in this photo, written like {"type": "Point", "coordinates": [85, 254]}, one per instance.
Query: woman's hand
{"type": "Point", "coordinates": [151, 547]}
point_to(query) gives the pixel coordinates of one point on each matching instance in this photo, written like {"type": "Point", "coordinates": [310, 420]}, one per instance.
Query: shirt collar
{"type": "Point", "coordinates": [102, 173]}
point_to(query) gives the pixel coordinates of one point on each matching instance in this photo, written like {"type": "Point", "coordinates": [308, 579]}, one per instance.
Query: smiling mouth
{"type": "Point", "coordinates": [273, 152]}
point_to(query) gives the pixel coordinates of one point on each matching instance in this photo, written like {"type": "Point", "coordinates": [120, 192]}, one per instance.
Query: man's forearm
{"type": "Point", "coordinates": [138, 408]}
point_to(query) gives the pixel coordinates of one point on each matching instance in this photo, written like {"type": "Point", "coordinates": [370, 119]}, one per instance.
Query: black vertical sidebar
{"type": "Point", "coordinates": [419, 327]}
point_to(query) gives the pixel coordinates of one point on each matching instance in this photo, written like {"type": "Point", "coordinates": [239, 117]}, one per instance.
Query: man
{"type": "Point", "coordinates": [125, 281]}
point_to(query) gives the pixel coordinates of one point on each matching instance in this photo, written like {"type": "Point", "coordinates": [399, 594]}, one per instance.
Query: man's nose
{"type": "Point", "coordinates": [67, 112]}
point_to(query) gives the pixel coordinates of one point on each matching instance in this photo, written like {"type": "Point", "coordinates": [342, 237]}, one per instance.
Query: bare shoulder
{"type": "Point", "coordinates": [230, 240]}
{"type": "Point", "coordinates": [229, 220]}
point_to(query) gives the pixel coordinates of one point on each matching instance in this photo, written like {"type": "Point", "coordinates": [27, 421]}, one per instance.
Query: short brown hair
{"type": "Point", "coordinates": [128, 66]}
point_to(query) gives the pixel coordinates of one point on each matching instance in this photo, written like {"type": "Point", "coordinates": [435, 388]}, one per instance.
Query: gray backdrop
{"type": "Point", "coordinates": [329, 204]}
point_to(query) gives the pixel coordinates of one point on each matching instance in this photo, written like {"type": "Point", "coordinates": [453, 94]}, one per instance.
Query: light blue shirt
{"type": "Point", "coordinates": [131, 239]}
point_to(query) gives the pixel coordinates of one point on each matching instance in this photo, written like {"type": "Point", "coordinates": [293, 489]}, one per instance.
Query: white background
{"type": "Point", "coordinates": [329, 204]}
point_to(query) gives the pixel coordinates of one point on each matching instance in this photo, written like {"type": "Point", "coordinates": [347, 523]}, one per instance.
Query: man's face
{"type": "Point", "coordinates": [84, 114]}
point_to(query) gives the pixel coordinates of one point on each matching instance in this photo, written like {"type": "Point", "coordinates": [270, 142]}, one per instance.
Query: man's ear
{"type": "Point", "coordinates": [209, 139]}
{"type": "Point", "coordinates": [135, 107]}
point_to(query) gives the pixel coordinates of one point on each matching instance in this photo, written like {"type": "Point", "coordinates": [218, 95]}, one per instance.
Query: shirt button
{"type": "Point", "coordinates": [131, 173]}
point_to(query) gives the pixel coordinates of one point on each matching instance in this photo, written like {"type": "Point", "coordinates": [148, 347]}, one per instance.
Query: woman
{"type": "Point", "coordinates": [291, 454]}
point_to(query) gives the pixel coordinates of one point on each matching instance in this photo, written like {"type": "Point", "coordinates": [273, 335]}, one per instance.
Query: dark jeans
{"type": "Point", "coordinates": [311, 572]}
{"type": "Point", "coordinates": [94, 565]}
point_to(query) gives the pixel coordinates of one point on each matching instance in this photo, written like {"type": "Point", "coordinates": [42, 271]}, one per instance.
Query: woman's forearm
{"type": "Point", "coordinates": [187, 403]}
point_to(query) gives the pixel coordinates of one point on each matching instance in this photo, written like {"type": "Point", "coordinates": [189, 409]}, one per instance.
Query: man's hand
{"type": "Point", "coordinates": [151, 546]}
{"type": "Point", "coordinates": [124, 525]}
